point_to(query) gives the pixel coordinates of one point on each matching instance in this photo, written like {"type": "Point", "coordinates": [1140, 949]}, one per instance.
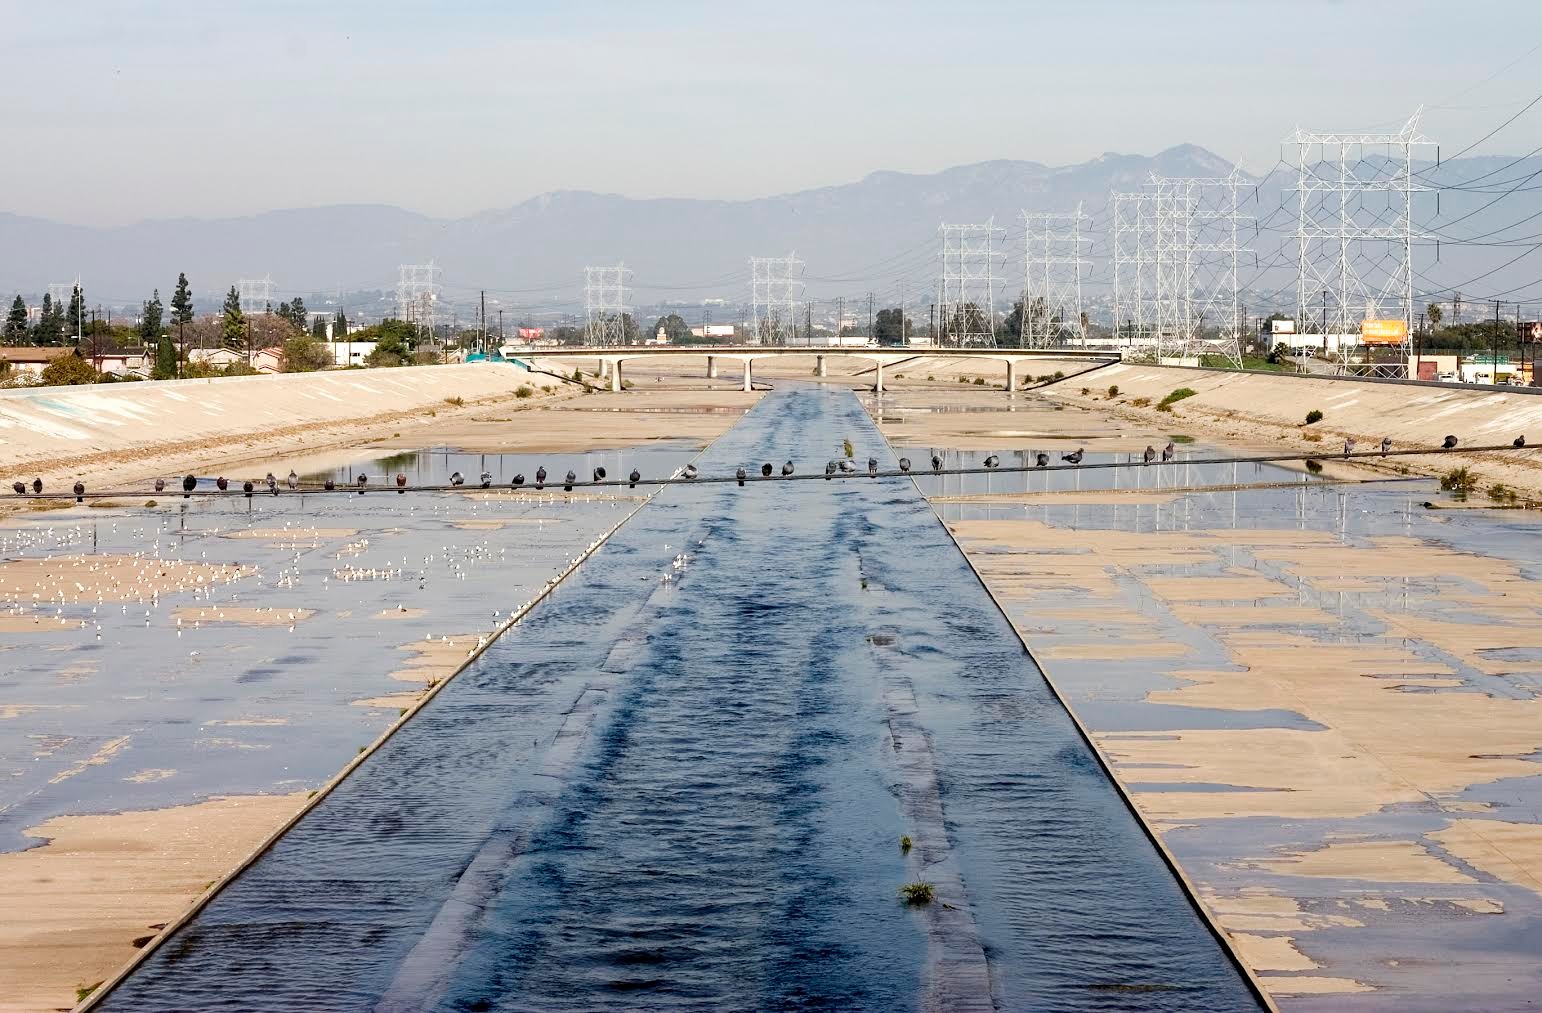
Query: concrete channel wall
{"type": "Point", "coordinates": [44, 423]}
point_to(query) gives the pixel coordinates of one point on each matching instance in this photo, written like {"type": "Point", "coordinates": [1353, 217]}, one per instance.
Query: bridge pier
{"type": "Point", "coordinates": [878, 386]}
{"type": "Point", "coordinates": [1011, 375]}
{"type": "Point", "coordinates": [747, 387]}
{"type": "Point", "coordinates": [711, 367]}
{"type": "Point", "coordinates": [819, 368]}
{"type": "Point", "coordinates": [615, 376]}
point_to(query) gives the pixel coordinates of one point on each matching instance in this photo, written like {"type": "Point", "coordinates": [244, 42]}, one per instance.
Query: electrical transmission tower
{"type": "Point", "coordinates": [775, 284]}
{"type": "Point", "coordinates": [417, 294]}
{"type": "Point", "coordinates": [1133, 227]}
{"type": "Point", "coordinates": [1196, 238]}
{"type": "Point", "coordinates": [1052, 278]}
{"type": "Point", "coordinates": [256, 294]}
{"type": "Point", "coordinates": [1355, 229]}
{"type": "Point", "coordinates": [967, 287]}
{"type": "Point", "coordinates": [605, 305]}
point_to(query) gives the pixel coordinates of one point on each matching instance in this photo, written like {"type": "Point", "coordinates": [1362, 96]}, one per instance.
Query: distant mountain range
{"type": "Point", "coordinates": [878, 234]}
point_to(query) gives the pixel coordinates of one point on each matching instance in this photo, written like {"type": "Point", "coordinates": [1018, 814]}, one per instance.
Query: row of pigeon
{"type": "Point", "coordinates": [842, 466]}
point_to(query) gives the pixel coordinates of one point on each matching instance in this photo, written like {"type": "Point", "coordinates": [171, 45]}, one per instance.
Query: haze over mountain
{"type": "Point", "coordinates": [877, 234]}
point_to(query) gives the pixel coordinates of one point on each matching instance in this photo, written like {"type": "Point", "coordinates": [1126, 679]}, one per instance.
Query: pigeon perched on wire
{"type": "Point", "coordinates": [633, 479]}
{"type": "Point", "coordinates": [80, 491]}
{"type": "Point", "coordinates": [1349, 445]}
{"type": "Point", "coordinates": [272, 483]}
{"type": "Point", "coordinates": [518, 480]}
{"type": "Point", "coordinates": [1040, 459]}
{"type": "Point", "coordinates": [567, 486]}
{"type": "Point", "coordinates": [936, 463]}
{"type": "Point", "coordinates": [765, 470]}
{"type": "Point", "coordinates": [401, 483]}
{"type": "Point", "coordinates": [540, 477]}
{"type": "Point", "coordinates": [786, 469]}
{"type": "Point", "coordinates": [1519, 441]}
{"type": "Point", "coordinates": [222, 483]}
{"type": "Point", "coordinates": [739, 474]}
{"type": "Point", "coordinates": [1449, 443]}
{"type": "Point", "coordinates": [20, 488]}
{"type": "Point", "coordinates": [1386, 445]}
{"type": "Point", "coordinates": [363, 481]}
{"type": "Point", "coordinates": [599, 473]}
{"type": "Point", "coordinates": [1168, 452]}
{"type": "Point", "coordinates": [37, 487]}
{"type": "Point", "coordinates": [294, 480]}
{"type": "Point", "coordinates": [328, 485]}
{"type": "Point", "coordinates": [904, 464]}
{"type": "Point", "coordinates": [189, 483]}
{"type": "Point", "coordinates": [456, 478]}
{"type": "Point", "coordinates": [160, 485]}
{"type": "Point", "coordinates": [690, 472]}
{"type": "Point", "coordinates": [1074, 457]}
{"type": "Point", "coordinates": [848, 465]}
{"type": "Point", "coordinates": [1149, 455]}
{"type": "Point", "coordinates": [872, 467]}
{"type": "Point", "coordinates": [992, 461]}
{"type": "Point", "coordinates": [829, 469]}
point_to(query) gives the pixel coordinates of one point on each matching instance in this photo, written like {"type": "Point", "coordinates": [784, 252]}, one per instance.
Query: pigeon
{"type": "Point", "coordinates": [222, 483]}
{"type": "Point", "coordinates": [1519, 441]}
{"type": "Point", "coordinates": [936, 463]}
{"type": "Point", "coordinates": [293, 480]}
{"type": "Point", "coordinates": [540, 477]}
{"type": "Point", "coordinates": [518, 480]}
{"type": "Point", "coordinates": [740, 476]}
{"type": "Point", "coordinates": [1074, 457]}
{"type": "Point", "coordinates": [1149, 455]}
{"type": "Point", "coordinates": [1349, 445]}
{"type": "Point", "coordinates": [80, 490]}
{"type": "Point", "coordinates": [272, 483]}
{"type": "Point", "coordinates": [189, 483]}
{"type": "Point", "coordinates": [690, 471]}
{"type": "Point", "coordinates": [599, 474]}
{"type": "Point", "coordinates": [456, 478]}
{"type": "Point", "coordinates": [905, 465]}
{"type": "Point", "coordinates": [829, 470]}
{"type": "Point", "coordinates": [872, 467]}
{"type": "Point", "coordinates": [401, 483]}
{"type": "Point", "coordinates": [765, 470]}
{"type": "Point", "coordinates": [487, 479]}
{"type": "Point", "coordinates": [246, 487]}
{"type": "Point", "coordinates": [1168, 452]}
{"type": "Point", "coordinates": [20, 488]}
{"type": "Point", "coordinates": [160, 485]}
{"type": "Point", "coordinates": [328, 485]}
{"type": "Point", "coordinates": [1041, 459]}
{"type": "Point", "coordinates": [1386, 445]}
{"type": "Point", "coordinates": [363, 481]}
{"type": "Point", "coordinates": [992, 461]}
{"type": "Point", "coordinates": [848, 465]}
{"type": "Point", "coordinates": [786, 469]}
{"type": "Point", "coordinates": [1449, 443]}
{"type": "Point", "coordinates": [633, 478]}
{"type": "Point", "coordinates": [567, 485]}
{"type": "Point", "coordinates": [37, 486]}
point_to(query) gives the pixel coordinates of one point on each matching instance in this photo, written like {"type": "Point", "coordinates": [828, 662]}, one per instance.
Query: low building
{"type": "Point", "coordinates": [351, 353]}
{"type": "Point", "coordinates": [28, 360]}
{"type": "Point", "coordinates": [216, 358]}
{"type": "Point", "coordinates": [268, 360]}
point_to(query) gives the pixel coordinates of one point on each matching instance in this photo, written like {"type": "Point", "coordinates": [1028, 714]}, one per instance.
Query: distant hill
{"type": "Point", "coordinates": [854, 237]}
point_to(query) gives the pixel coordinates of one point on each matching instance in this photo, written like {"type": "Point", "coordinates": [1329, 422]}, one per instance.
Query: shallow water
{"type": "Point", "coordinates": [676, 785]}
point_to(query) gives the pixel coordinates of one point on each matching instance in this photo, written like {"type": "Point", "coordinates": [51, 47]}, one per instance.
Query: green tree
{"type": "Point", "coordinates": [50, 325]}
{"type": "Point", "coordinates": [75, 319]}
{"type": "Point", "coordinates": [233, 327]}
{"type": "Point", "coordinates": [319, 328]}
{"type": "Point", "coordinates": [1434, 312]}
{"type": "Point", "coordinates": [182, 301]}
{"type": "Point", "coordinates": [150, 320]}
{"type": "Point", "coordinates": [393, 342]}
{"type": "Point", "coordinates": [304, 354]}
{"type": "Point", "coordinates": [16, 322]}
{"type": "Point", "coordinates": [674, 327]}
{"type": "Point", "coordinates": [165, 359]}
{"type": "Point", "coordinates": [890, 327]}
{"type": "Point", "coordinates": [339, 326]}
{"type": "Point", "coordinates": [68, 370]}
{"type": "Point", "coordinates": [298, 313]}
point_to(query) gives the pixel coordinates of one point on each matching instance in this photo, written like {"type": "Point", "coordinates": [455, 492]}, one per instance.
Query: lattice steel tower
{"type": "Point", "coordinates": [967, 286]}
{"type": "Point", "coordinates": [1197, 227]}
{"type": "Point", "coordinates": [606, 305]}
{"type": "Point", "coordinates": [1133, 227]}
{"type": "Point", "coordinates": [417, 294]}
{"type": "Point", "coordinates": [256, 294]}
{"type": "Point", "coordinates": [1052, 278]}
{"type": "Point", "coordinates": [775, 284]}
{"type": "Point", "coordinates": [1354, 227]}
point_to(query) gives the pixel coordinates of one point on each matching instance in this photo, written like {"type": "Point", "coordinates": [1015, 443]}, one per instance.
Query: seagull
{"type": "Point", "coordinates": [160, 485]}
{"type": "Point", "coordinates": [80, 490]}
{"type": "Point", "coordinates": [1349, 445]}
{"type": "Point", "coordinates": [740, 476]}
{"type": "Point", "coordinates": [1074, 457]}
{"type": "Point", "coordinates": [786, 468]}
{"type": "Point", "coordinates": [690, 471]}
{"type": "Point", "coordinates": [189, 483]}
{"type": "Point", "coordinates": [936, 463]}
{"type": "Point", "coordinates": [1519, 441]}
{"type": "Point", "coordinates": [540, 477]}
{"type": "Point", "coordinates": [401, 483]}
{"type": "Point", "coordinates": [1149, 455]}
{"type": "Point", "coordinates": [633, 478]}
{"type": "Point", "coordinates": [872, 467]}
{"type": "Point", "coordinates": [1168, 452]}
{"type": "Point", "coordinates": [487, 479]}
{"type": "Point", "coordinates": [905, 465]}
{"type": "Point", "coordinates": [20, 488]}
{"type": "Point", "coordinates": [599, 474]}
{"type": "Point", "coordinates": [294, 480]}
{"type": "Point", "coordinates": [765, 470]}
{"type": "Point", "coordinates": [1449, 443]}
{"type": "Point", "coordinates": [456, 478]}
{"type": "Point", "coordinates": [518, 481]}
{"type": "Point", "coordinates": [1041, 459]}
{"type": "Point", "coordinates": [1386, 445]}
{"type": "Point", "coordinates": [567, 486]}
{"type": "Point", "coordinates": [992, 461]}
{"type": "Point", "coordinates": [222, 483]}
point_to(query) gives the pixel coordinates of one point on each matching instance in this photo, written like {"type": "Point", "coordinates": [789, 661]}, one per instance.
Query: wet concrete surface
{"type": "Point", "coordinates": [678, 784]}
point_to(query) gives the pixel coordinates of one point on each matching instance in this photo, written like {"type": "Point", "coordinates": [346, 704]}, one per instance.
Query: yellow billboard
{"type": "Point", "coordinates": [1383, 332]}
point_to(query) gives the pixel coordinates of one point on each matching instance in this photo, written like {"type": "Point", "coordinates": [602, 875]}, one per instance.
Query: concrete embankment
{"type": "Point", "coordinates": [1269, 411]}
{"type": "Point", "coordinates": [41, 426]}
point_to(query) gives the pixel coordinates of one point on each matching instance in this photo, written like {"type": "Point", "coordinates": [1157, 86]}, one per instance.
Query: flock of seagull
{"type": "Point", "coordinates": [843, 466]}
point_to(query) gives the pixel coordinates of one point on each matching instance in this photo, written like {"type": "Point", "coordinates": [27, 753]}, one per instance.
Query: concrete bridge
{"type": "Point", "coordinates": [609, 359]}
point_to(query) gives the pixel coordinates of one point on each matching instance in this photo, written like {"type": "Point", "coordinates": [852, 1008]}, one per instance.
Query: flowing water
{"type": "Point", "coordinates": [682, 780]}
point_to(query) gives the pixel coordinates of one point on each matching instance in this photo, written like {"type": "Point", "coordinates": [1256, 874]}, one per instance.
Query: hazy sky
{"type": "Point", "coordinates": [131, 109]}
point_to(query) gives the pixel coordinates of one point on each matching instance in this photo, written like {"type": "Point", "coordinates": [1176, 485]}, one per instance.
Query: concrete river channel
{"type": "Point", "coordinates": [682, 780]}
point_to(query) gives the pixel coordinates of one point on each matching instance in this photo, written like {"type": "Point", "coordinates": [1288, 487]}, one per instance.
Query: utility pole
{"type": "Point", "coordinates": [840, 317]}
{"type": "Point", "coordinates": [1493, 362]}
{"type": "Point", "coordinates": [483, 348]}
{"type": "Point", "coordinates": [870, 335]}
